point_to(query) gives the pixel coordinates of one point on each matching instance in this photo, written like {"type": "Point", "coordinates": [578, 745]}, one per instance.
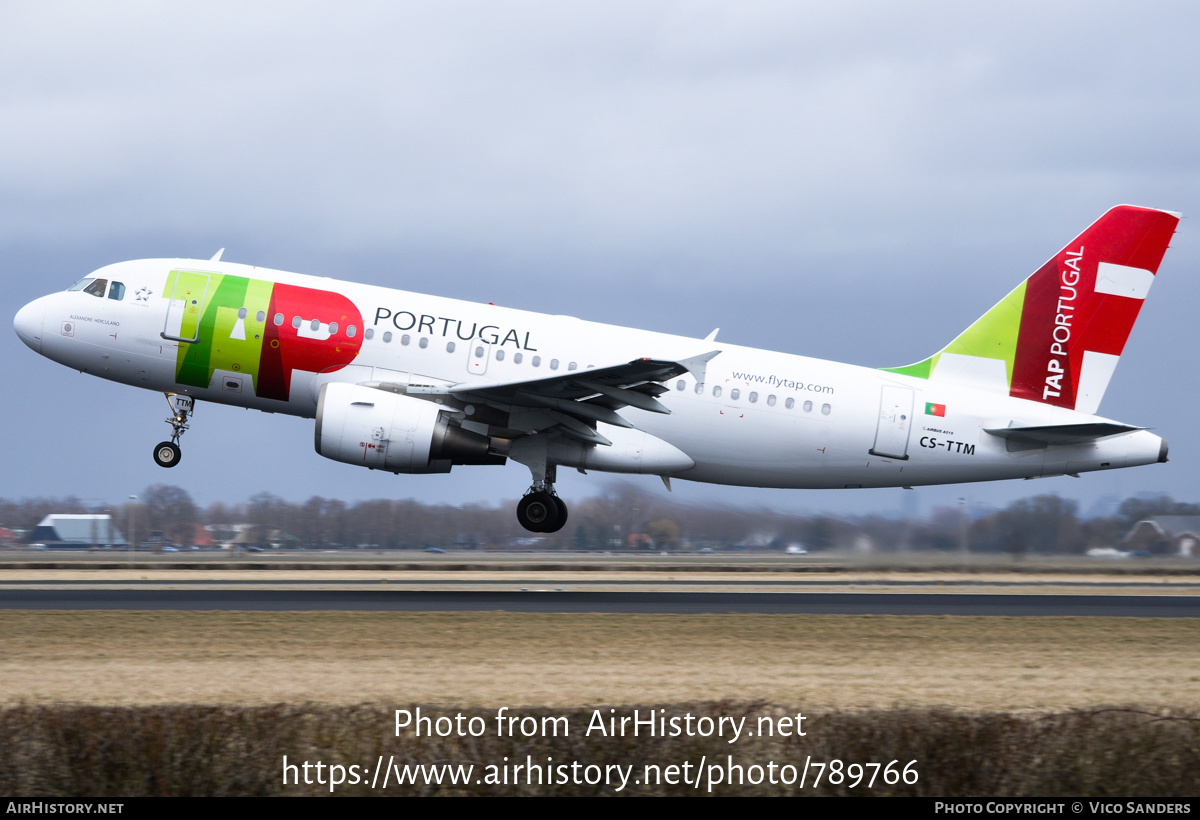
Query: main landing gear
{"type": "Point", "coordinates": [541, 510]}
{"type": "Point", "coordinates": [167, 453]}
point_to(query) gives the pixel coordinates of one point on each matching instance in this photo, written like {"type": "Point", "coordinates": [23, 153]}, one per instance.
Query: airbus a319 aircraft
{"type": "Point", "coordinates": [412, 383]}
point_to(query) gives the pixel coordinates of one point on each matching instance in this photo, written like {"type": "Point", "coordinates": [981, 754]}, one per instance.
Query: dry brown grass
{"type": "Point", "coordinates": [490, 659]}
{"type": "Point", "coordinates": [73, 751]}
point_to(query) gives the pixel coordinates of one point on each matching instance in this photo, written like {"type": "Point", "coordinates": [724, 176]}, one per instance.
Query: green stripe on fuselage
{"type": "Point", "coordinates": [224, 344]}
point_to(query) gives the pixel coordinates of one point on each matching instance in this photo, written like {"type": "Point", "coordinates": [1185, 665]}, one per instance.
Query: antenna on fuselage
{"type": "Point", "coordinates": [217, 256]}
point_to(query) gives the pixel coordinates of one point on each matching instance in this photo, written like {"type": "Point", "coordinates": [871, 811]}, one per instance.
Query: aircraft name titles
{"type": "Point", "coordinates": [489, 334]}
{"type": "Point", "coordinates": [96, 321]}
{"type": "Point", "coordinates": [1061, 334]}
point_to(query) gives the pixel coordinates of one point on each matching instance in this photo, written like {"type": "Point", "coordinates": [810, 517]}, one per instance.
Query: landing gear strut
{"type": "Point", "coordinates": [541, 510]}
{"type": "Point", "coordinates": [167, 453]}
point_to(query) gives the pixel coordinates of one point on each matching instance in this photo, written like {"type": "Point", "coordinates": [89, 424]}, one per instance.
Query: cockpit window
{"type": "Point", "coordinates": [117, 291]}
{"type": "Point", "coordinates": [97, 288]}
{"type": "Point", "coordinates": [81, 284]}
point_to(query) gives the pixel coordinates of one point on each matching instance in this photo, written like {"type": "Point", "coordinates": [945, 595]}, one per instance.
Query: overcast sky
{"type": "Point", "coordinates": [853, 181]}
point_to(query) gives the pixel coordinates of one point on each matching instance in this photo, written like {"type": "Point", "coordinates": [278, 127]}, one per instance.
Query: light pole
{"type": "Point", "coordinates": [132, 527]}
{"type": "Point", "coordinates": [962, 529]}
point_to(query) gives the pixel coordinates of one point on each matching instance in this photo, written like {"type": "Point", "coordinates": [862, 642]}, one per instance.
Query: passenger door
{"type": "Point", "coordinates": [186, 292]}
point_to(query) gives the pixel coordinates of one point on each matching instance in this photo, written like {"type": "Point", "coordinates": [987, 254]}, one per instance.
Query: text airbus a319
{"type": "Point", "coordinates": [414, 383]}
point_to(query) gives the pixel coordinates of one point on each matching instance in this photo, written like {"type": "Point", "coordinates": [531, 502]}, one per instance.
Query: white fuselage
{"type": "Point", "coordinates": [760, 418]}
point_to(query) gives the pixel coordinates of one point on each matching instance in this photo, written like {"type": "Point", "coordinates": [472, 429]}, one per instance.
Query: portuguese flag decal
{"type": "Point", "coordinates": [932, 409]}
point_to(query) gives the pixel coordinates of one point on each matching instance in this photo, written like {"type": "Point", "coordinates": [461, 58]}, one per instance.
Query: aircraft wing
{"type": "Point", "coordinates": [575, 401]}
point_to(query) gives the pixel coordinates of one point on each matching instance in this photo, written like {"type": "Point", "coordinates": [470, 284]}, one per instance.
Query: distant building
{"type": "Point", "coordinates": [1166, 534]}
{"type": "Point", "coordinates": [201, 538]}
{"type": "Point", "coordinates": [76, 532]}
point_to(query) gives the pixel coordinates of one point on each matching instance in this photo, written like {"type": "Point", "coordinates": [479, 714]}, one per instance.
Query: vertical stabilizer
{"type": "Point", "coordinates": [1057, 336]}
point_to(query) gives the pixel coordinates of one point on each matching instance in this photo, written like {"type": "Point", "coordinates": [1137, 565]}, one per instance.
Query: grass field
{"type": "Point", "coordinates": [491, 659]}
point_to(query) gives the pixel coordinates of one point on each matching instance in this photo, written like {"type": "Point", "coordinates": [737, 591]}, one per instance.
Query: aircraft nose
{"type": "Point", "coordinates": [28, 324]}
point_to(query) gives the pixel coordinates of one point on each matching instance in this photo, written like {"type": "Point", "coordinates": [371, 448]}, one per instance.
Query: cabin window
{"type": "Point", "coordinates": [278, 319]}
{"type": "Point", "coordinates": [554, 364]}
{"type": "Point", "coordinates": [261, 316]}
{"type": "Point", "coordinates": [479, 352]}
{"type": "Point", "coordinates": [679, 385]}
{"type": "Point", "coordinates": [369, 333]}
{"type": "Point", "coordinates": [789, 404]}
{"type": "Point", "coordinates": [735, 394]}
{"type": "Point", "coordinates": [296, 322]}
{"type": "Point", "coordinates": [97, 287]}
{"type": "Point", "coordinates": [808, 407]}
{"type": "Point", "coordinates": [387, 335]}
{"type": "Point", "coordinates": [315, 324]}
{"type": "Point", "coordinates": [449, 347]}
{"type": "Point", "coordinates": [81, 284]}
{"type": "Point", "coordinates": [536, 361]}
{"type": "Point", "coordinates": [825, 408]}
{"type": "Point", "coordinates": [405, 339]}
{"type": "Point", "coordinates": [753, 398]}
{"type": "Point", "coordinates": [424, 343]}
{"type": "Point", "coordinates": [241, 311]}
{"type": "Point", "coordinates": [517, 357]}
{"type": "Point", "coordinates": [771, 400]}
{"type": "Point", "coordinates": [499, 355]}
{"type": "Point", "coordinates": [572, 366]}
{"type": "Point", "coordinates": [717, 392]}
{"type": "Point", "coordinates": [351, 331]}
{"type": "Point", "coordinates": [117, 291]}
{"type": "Point", "coordinates": [332, 328]}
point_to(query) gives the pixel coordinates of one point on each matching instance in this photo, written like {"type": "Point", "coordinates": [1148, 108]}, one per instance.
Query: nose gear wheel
{"type": "Point", "coordinates": [168, 453]}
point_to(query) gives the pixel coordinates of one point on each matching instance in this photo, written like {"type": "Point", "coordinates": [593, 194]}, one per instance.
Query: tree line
{"type": "Point", "coordinates": [622, 518]}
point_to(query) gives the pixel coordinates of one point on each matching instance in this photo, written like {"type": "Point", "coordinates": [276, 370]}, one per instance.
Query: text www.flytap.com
{"type": "Point", "coordinates": [781, 382]}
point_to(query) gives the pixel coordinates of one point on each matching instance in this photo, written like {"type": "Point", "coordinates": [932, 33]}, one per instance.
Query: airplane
{"type": "Point", "coordinates": [413, 383]}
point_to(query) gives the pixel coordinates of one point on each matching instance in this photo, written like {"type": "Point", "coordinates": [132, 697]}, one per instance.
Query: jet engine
{"type": "Point", "coordinates": [387, 431]}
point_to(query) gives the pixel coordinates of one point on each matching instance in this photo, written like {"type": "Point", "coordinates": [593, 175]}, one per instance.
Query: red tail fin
{"type": "Point", "coordinates": [1056, 337]}
{"type": "Point", "coordinates": [1081, 305]}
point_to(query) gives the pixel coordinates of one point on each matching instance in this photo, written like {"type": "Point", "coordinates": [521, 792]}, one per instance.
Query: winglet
{"type": "Point", "coordinates": [696, 365]}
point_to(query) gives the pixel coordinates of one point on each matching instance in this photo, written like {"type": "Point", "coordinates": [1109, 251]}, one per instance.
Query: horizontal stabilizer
{"type": "Point", "coordinates": [1033, 438]}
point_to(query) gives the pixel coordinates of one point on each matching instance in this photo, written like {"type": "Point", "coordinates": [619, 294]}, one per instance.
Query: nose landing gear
{"type": "Point", "coordinates": [167, 453]}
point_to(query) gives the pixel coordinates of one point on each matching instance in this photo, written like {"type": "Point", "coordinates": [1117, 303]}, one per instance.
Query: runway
{"type": "Point", "coordinates": [552, 600]}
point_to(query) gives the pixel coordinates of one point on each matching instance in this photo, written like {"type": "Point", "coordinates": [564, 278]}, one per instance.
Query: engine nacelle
{"type": "Point", "coordinates": [387, 431]}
